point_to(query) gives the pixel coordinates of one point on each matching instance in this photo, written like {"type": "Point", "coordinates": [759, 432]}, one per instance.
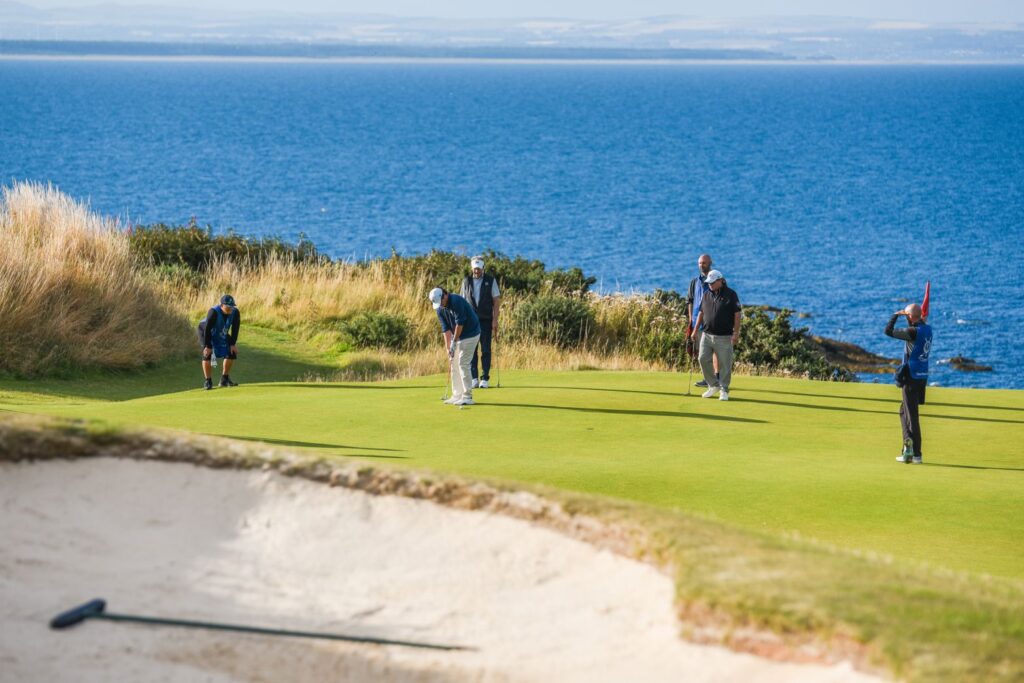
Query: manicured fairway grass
{"type": "Point", "coordinates": [786, 464]}
{"type": "Point", "coordinates": [784, 456]}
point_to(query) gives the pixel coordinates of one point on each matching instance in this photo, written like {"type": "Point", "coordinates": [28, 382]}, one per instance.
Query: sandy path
{"type": "Point", "coordinates": [259, 548]}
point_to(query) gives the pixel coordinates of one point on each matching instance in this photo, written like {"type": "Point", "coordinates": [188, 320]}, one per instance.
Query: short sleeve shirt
{"type": "Point", "coordinates": [719, 310]}
{"type": "Point", "coordinates": [459, 312]}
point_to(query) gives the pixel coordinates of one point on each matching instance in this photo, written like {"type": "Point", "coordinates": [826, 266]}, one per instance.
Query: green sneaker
{"type": "Point", "coordinates": [908, 452]}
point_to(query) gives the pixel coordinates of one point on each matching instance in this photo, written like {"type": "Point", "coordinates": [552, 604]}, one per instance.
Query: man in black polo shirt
{"type": "Point", "coordinates": [720, 315]}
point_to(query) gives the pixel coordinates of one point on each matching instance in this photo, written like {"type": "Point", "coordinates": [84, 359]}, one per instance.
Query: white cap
{"type": "Point", "coordinates": [477, 262]}
{"type": "Point", "coordinates": [714, 276]}
{"type": "Point", "coordinates": [435, 297]}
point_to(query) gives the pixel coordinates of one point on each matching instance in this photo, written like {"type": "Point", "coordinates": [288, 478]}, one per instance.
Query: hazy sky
{"type": "Point", "coordinates": [904, 10]}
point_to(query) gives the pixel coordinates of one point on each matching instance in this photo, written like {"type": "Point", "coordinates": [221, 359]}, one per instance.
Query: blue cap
{"type": "Point", "coordinates": [227, 300]}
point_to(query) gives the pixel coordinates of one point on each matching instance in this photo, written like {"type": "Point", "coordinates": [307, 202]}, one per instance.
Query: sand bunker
{"type": "Point", "coordinates": [263, 549]}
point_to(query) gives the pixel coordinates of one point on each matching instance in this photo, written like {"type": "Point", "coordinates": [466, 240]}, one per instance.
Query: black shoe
{"type": "Point", "coordinates": [225, 381]}
{"type": "Point", "coordinates": [208, 384]}
{"type": "Point", "coordinates": [701, 383]}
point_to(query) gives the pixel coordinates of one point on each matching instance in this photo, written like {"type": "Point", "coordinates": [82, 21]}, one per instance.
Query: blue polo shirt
{"type": "Point", "coordinates": [459, 312]}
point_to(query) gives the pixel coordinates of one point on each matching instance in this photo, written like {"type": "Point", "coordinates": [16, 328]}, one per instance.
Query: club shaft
{"type": "Point", "coordinates": [270, 631]}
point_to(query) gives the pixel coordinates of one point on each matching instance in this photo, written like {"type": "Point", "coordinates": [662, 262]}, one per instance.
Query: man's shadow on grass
{"type": "Point", "coordinates": [973, 467]}
{"type": "Point", "coordinates": [348, 385]}
{"type": "Point", "coordinates": [803, 393]}
{"type": "Point", "coordinates": [314, 444]}
{"type": "Point", "coordinates": [616, 411]}
{"type": "Point", "coordinates": [812, 406]}
{"type": "Point", "coordinates": [883, 400]}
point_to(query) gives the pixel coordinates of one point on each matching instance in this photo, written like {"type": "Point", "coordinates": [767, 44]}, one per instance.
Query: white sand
{"type": "Point", "coordinates": [259, 548]}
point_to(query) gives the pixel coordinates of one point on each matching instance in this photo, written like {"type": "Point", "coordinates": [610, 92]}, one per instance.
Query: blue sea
{"type": "Point", "coordinates": [834, 190]}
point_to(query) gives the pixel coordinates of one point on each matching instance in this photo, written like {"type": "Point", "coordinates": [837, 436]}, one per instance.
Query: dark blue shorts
{"type": "Point", "coordinates": [223, 352]}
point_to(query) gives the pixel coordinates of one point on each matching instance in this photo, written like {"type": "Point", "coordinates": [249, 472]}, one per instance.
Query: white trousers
{"type": "Point", "coordinates": [462, 377]}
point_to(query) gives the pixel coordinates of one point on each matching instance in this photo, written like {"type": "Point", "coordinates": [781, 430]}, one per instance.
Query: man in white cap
{"type": "Point", "coordinates": [461, 329]}
{"type": "Point", "coordinates": [720, 314]}
{"type": "Point", "coordinates": [481, 290]}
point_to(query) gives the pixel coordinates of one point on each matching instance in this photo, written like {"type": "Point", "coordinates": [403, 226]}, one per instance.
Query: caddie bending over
{"type": "Point", "coordinates": [918, 346]}
{"type": "Point", "coordinates": [461, 328]}
{"type": "Point", "coordinates": [219, 334]}
{"type": "Point", "coordinates": [481, 290]}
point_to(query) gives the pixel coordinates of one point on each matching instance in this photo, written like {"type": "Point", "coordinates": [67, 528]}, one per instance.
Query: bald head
{"type": "Point", "coordinates": [913, 312]}
{"type": "Point", "coordinates": [704, 263]}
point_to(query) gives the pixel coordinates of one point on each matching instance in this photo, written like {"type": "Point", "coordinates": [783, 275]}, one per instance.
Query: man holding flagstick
{"type": "Point", "coordinates": [913, 375]}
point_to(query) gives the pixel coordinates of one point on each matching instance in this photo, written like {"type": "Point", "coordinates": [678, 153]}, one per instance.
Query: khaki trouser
{"type": "Point", "coordinates": [716, 345]}
{"type": "Point", "coordinates": [462, 377]}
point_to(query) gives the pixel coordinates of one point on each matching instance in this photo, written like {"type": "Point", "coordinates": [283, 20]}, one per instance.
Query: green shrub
{"type": "Point", "coordinates": [560, 320]}
{"type": "Point", "coordinates": [772, 343]}
{"type": "Point", "coordinates": [193, 247]}
{"type": "Point", "coordinates": [375, 330]}
{"type": "Point", "coordinates": [515, 275]}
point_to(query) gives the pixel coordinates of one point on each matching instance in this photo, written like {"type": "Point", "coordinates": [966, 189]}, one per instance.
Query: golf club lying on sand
{"type": "Point", "coordinates": [96, 609]}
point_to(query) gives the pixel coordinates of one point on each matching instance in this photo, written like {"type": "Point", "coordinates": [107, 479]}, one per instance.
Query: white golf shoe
{"type": "Point", "coordinates": [710, 393]}
{"type": "Point", "coordinates": [484, 384]}
{"type": "Point", "coordinates": [465, 402]}
{"type": "Point", "coordinates": [476, 383]}
{"type": "Point", "coordinates": [724, 396]}
{"type": "Point", "coordinates": [452, 401]}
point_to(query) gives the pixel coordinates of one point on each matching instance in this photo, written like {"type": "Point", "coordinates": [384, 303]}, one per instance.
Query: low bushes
{"type": "Point", "coordinates": [553, 319]}
{"type": "Point", "coordinates": [196, 248]}
{"type": "Point", "coordinates": [376, 330]}
{"type": "Point", "coordinates": [515, 275]}
{"type": "Point", "coordinates": [772, 342]}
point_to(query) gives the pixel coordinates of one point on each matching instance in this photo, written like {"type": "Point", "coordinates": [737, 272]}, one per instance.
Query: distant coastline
{"type": "Point", "coordinates": [57, 50]}
{"type": "Point", "coordinates": [355, 52]}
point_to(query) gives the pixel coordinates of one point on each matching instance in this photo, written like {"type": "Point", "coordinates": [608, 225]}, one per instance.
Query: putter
{"type": "Point", "coordinates": [96, 609]}
{"type": "Point", "coordinates": [447, 382]}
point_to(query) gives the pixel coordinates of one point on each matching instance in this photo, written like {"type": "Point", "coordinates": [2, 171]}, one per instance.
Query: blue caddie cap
{"type": "Point", "coordinates": [227, 300]}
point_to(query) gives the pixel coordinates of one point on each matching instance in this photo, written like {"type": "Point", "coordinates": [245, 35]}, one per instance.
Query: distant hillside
{"type": "Point", "coordinates": [344, 50]}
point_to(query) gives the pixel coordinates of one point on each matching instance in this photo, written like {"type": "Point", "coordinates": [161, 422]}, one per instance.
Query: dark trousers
{"type": "Point", "coordinates": [913, 397]}
{"type": "Point", "coordinates": [484, 351]}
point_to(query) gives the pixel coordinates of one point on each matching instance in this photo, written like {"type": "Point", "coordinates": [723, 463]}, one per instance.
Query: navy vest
{"type": "Point", "coordinates": [917, 359]}
{"type": "Point", "coordinates": [222, 329]}
{"type": "Point", "coordinates": [485, 307]}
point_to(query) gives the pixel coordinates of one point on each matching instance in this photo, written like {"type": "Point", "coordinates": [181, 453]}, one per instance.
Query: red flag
{"type": "Point", "coordinates": [927, 295]}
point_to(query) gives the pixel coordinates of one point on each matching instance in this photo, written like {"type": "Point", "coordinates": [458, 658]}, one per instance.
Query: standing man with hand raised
{"type": "Point", "coordinates": [461, 330]}
{"type": "Point", "coordinates": [720, 314]}
{"type": "Point", "coordinates": [481, 290]}
{"type": "Point", "coordinates": [918, 346]}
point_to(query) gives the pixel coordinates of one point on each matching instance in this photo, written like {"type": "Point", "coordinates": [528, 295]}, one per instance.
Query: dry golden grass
{"type": "Point", "coordinates": [311, 300]}
{"type": "Point", "coordinates": [71, 295]}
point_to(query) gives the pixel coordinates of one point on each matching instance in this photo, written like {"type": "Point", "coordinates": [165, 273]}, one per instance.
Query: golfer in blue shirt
{"type": "Point", "coordinates": [461, 328]}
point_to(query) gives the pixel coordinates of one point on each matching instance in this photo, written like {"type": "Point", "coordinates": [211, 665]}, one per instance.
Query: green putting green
{"type": "Point", "coordinates": [784, 457]}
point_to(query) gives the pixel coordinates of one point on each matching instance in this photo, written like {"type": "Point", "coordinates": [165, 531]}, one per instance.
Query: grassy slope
{"type": "Point", "coordinates": [784, 459]}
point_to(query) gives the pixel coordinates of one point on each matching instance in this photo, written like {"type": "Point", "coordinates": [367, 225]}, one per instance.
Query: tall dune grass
{"type": "Point", "coordinates": [312, 300]}
{"type": "Point", "coordinates": [71, 295]}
